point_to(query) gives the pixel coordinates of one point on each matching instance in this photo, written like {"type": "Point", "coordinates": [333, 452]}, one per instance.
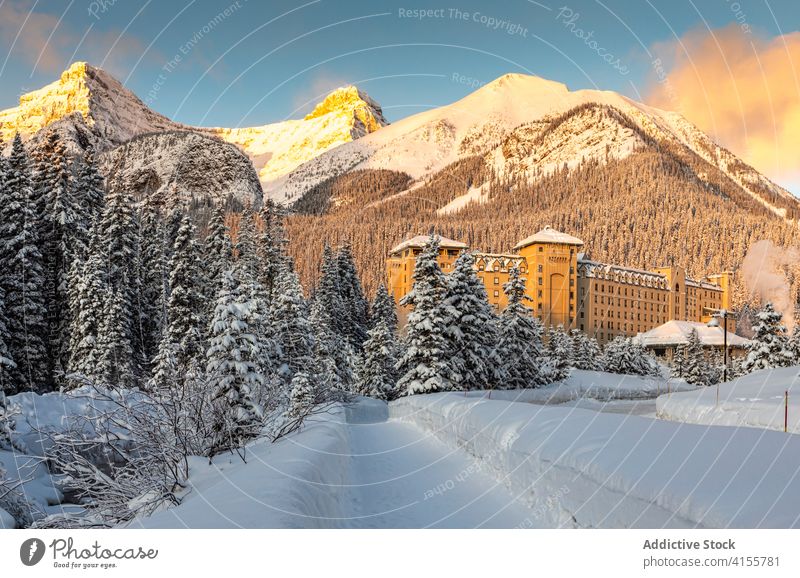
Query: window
{"type": "Point", "coordinates": [496, 293]}
{"type": "Point", "coordinates": [539, 293]}
{"type": "Point", "coordinates": [538, 268]}
{"type": "Point", "coordinates": [540, 280]}
{"type": "Point", "coordinates": [541, 249]}
{"type": "Point", "coordinates": [539, 306]}
{"type": "Point", "coordinates": [497, 281]}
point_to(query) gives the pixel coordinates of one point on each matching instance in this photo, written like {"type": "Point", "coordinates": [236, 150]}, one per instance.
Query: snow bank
{"type": "Point", "coordinates": [578, 468]}
{"type": "Point", "coordinates": [294, 483]}
{"type": "Point", "coordinates": [754, 400]}
{"type": "Point", "coordinates": [591, 384]}
{"type": "Point", "coordinates": [51, 412]}
{"type": "Point", "coordinates": [6, 520]}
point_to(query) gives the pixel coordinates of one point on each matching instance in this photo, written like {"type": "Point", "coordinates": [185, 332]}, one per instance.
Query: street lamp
{"type": "Point", "coordinates": [714, 322]}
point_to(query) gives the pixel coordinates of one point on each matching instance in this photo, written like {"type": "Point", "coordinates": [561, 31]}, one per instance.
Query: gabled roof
{"type": "Point", "coordinates": [549, 235]}
{"type": "Point", "coordinates": [420, 241]}
{"type": "Point", "coordinates": [675, 332]}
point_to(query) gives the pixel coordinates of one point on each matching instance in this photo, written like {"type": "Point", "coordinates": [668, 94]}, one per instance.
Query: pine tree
{"type": "Point", "coordinates": [793, 346]}
{"type": "Point", "coordinates": [152, 281]}
{"type": "Point", "coordinates": [185, 307]}
{"type": "Point", "coordinates": [290, 318]}
{"type": "Point", "coordinates": [329, 293]}
{"type": "Point", "coordinates": [246, 255]}
{"type": "Point", "coordinates": [219, 251]}
{"type": "Point", "coordinates": [472, 332]}
{"type": "Point", "coordinates": [22, 275]}
{"type": "Point", "coordinates": [520, 343]}
{"type": "Point", "coordinates": [355, 305]}
{"type": "Point", "coordinates": [560, 354]}
{"type": "Point", "coordinates": [696, 368]}
{"type": "Point", "coordinates": [114, 341]}
{"type": "Point", "coordinates": [117, 331]}
{"type": "Point", "coordinates": [626, 356]}
{"type": "Point", "coordinates": [333, 354]}
{"type": "Point", "coordinates": [88, 294]}
{"type": "Point", "coordinates": [64, 237]}
{"type": "Point", "coordinates": [272, 247]}
{"type": "Point", "coordinates": [587, 354]}
{"type": "Point", "coordinates": [7, 364]}
{"type": "Point", "coordinates": [768, 346]}
{"type": "Point", "coordinates": [303, 395]}
{"type": "Point", "coordinates": [90, 186]}
{"type": "Point", "coordinates": [377, 376]}
{"type": "Point", "coordinates": [232, 372]}
{"type": "Point", "coordinates": [384, 308]}
{"type": "Point", "coordinates": [679, 361]}
{"type": "Point", "coordinates": [424, 365]}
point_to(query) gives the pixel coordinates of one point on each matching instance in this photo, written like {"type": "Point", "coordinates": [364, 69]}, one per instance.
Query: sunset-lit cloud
{"type": "Point", "coordinates": [741, 89]}
{"type": "Point", "coordinates": [46, 44]}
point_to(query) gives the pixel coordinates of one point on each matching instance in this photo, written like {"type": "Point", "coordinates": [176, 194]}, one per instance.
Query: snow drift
{"type": "Point", "coordinates": [577, 468]}
{"type": "Point", "coordinates": [754, 400]}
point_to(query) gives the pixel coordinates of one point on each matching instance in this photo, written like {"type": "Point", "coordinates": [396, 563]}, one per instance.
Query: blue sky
{"type": "Point", "coordinates": [265, 61]}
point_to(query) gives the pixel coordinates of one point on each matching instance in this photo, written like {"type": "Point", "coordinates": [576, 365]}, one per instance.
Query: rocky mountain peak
{"type": "Point", "coordinates": [349, 101]}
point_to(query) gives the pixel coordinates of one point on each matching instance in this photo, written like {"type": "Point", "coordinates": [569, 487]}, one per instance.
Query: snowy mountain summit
{"type": "Point", "coordinates": [89, 106]}
{"type": "Point", "coordinates": [526, 126]}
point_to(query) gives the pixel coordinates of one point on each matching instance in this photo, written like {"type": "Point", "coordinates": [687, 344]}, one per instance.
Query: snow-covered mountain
{"type": "Point", "coordinates": [276, 149]}
{"type": "Point", "coordinates": [526, 125]}
{"type": "Point", "coordinates": [88, 105]}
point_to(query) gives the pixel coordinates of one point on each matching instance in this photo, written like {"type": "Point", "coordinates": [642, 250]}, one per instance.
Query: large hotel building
{"type": "Point", "coordinates": [566, 288]}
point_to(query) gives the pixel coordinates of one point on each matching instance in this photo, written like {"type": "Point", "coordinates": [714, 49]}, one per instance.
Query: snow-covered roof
{"type": "Point", "coordinates": [549, 235]}
{"type": "Point", "coordinates": [674, 333]}
{"type": "Point", "coordinates": [420, 241]}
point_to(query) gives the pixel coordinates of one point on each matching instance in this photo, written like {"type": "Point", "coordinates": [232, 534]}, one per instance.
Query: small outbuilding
{"type": "Point", "coordinates": [663, 340]}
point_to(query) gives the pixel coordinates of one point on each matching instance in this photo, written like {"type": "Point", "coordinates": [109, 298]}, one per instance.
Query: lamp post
{"type": "Point", "coordinates": [714, 322]}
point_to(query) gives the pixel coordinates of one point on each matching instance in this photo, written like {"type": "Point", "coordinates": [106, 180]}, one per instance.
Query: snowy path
{"type": "Point", "coordinates": [402, 477]}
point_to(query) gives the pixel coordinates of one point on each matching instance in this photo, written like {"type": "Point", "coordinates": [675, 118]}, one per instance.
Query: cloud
{"type": "Point", "coordinates": [742, 89]}
{"type": "Point", "coordinates": [40, 40]}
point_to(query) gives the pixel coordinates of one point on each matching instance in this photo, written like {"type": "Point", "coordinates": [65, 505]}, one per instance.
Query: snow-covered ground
{"type": "Point", "coordinates": [596, 385]}
{"type": "Point", "coordinates": [577, 468]}
{"type": "Point", "coordinates": [351, 469]}
{"type": "Point", "coordinates": [755, 400]}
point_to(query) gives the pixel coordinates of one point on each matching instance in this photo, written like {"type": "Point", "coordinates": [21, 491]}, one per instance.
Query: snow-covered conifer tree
{"type": "Point", "coordinates": [152, 280]}
{"type": "Point", "coordinates": [290, 319]}
{"type": "Point", "coordinates": [768, 346]}
{"type": "Point", "coordinates": [355, 305]}
{"type": "Point", "coordinates": [22, 274]}
{"type": "Point", "coordinates": [520, 344]}
{"type": "Point", "coordinates": [586, 351]}
{"type": "Point", "coordinates": [696, 368]}
{"type": "Point", "coordinates": [303, 395]}
{"type": "Point", "coordinates": [219, 251]}
{"type": "Point", "coordinates": [377, 376]}
{"type": "Point", "coordinates": [624, 355]}
{"type": "Point", "coordinates": [88, 295]}
{"type": "Point", "coordinates": [90, 186]}
{"type": "Point", "coordinates": [272, 244]}
{"type": "Point", "coordinates": [560, 352]}
{"type": "Point", "coordinates": [384, 308]}
{"type": "Point", "coordinates": [424, 364]}
{"type": "Point", "coordinates": [472, 332]}
{"type": "Point", "coordinates": [232, 372]}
